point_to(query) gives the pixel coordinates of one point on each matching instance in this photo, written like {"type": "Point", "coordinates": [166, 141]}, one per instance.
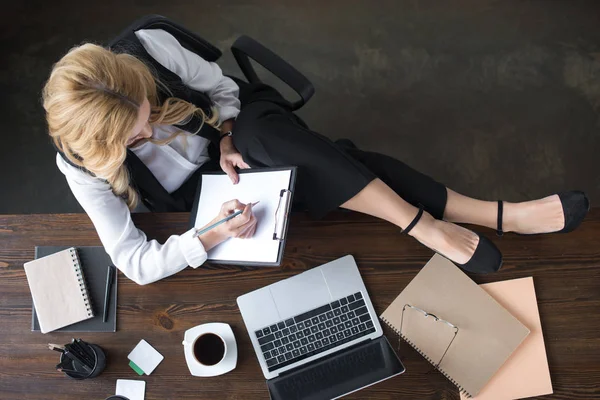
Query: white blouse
{"type": "Point", "coordinates": [142, 260]}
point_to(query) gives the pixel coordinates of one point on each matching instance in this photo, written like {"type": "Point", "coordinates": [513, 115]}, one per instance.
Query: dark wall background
{"type": "Point", "coordinates": [497, 99]}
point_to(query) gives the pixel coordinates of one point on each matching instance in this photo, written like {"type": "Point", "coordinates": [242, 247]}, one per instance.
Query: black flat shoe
{"type": "Point", "coordinates": [575, 205]}
{"type": "Point", "coordinates": [486, 258]}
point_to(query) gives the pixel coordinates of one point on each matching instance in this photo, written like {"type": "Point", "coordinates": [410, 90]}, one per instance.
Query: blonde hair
{"type": "Point", "coordinates": [92, 100]}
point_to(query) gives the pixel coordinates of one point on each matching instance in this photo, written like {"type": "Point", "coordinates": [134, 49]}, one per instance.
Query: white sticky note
{"type": "Point", "coordinates": [145, 356]}
{"type": "Point", "coordinates": [133, 390]}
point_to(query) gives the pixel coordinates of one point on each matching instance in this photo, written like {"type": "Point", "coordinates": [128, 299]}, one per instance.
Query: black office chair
{"type": "Point", "coordinates": [243, 49]}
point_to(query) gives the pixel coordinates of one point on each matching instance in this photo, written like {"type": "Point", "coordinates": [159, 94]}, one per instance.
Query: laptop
{"type": "Point", "coordinates": [316, 335]}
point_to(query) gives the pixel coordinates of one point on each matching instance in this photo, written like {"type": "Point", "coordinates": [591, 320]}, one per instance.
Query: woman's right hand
{"type": "Point", "coordinates": [243, 226]}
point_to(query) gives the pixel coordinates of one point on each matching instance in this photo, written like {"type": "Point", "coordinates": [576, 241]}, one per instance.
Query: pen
{"type": "Point", "coordinates": [110, 274]}
{"type": "Point", "coordinates": [229, 217]}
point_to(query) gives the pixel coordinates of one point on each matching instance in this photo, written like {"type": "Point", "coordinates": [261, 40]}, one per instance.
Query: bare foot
{"type": "Point", "coordinates": [536, 216]}
{"type": "Point", "coordinates": [452, 241]}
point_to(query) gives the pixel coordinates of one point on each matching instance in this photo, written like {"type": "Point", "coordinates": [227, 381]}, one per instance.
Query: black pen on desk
{"type": "Point", "coordinates": [110, 277]}
{"type": "Point", "coordinates": [229, 217]}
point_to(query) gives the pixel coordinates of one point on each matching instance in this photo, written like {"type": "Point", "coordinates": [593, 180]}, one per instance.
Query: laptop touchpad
{"type": "Point", "coordinates": [300, 293]}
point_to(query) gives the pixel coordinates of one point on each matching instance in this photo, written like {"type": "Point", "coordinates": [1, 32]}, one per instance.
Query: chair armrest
{"type": "Point", "coordinates": [245, 48]}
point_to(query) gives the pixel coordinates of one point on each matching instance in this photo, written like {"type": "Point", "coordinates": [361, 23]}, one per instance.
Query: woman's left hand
{"type": "Point", "coordinates": [230, 159]}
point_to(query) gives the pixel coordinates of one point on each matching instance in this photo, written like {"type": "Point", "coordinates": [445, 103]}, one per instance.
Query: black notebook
{"type": "Point", "coordinates": [94, 263]}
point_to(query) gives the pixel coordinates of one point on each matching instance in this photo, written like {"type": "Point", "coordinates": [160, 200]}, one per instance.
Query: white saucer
{"type": "Point", "coordinates": [228, 362]}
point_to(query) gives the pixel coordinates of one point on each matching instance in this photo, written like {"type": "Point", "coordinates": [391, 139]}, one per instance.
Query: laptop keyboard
{"type": "Point", "coordinates": [315, 331]}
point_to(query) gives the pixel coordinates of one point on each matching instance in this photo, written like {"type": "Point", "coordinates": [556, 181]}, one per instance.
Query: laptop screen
{"type": "Point", "coordinates": [338, 374]}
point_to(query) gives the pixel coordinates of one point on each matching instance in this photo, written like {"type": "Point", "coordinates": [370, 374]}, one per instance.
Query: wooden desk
{"type": "Point", "coordinates": [566, 271]}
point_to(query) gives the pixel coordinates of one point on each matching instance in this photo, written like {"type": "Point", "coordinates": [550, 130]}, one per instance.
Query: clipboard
{"type": "Point", "coordinates": [281, 214]}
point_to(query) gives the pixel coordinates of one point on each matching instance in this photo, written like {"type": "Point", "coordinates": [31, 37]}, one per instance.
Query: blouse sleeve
{"type": "Point", "coordinates": [193, 70]}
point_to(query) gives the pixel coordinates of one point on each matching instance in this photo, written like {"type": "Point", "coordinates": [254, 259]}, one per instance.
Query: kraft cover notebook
{"type": "Point", "coordinates": [93, 264]}
{"type": "Point", "coordinates": [526, 372]}
{"type": "Point", "coordinates": [273, 188]}
{"type": "Point", "coordinates": [480, 334]}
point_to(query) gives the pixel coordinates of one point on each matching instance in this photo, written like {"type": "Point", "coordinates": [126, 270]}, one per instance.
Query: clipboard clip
{"type": "Point", "coordinates": [282, 214]}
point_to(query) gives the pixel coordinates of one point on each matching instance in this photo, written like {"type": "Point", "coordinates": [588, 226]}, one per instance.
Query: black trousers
{"type": "Point", "coordinates": [268, 134]}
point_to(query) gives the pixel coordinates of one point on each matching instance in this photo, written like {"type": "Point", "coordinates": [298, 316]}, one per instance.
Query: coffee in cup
{"type": "Point", "coordinates": [209, 349]}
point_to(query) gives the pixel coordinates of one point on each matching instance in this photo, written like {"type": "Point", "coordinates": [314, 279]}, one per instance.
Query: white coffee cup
{"type": "Point", "coordinates": [207, 361]}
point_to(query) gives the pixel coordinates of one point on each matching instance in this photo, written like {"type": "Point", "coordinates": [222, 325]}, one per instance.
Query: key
{"type": "Point", "coordinates": [329, 314]}
{"type": "Point", "coordinates": [314, 329]}
{"type": "Point", "coordinates": [266, 331]}
{"type": "Point", "coordinates": [296, 352]}
{"type": "Point", "coordinates": [358, 295]}
{"type": "Point", "coordinates": [340, 336]}
{"type": "Point", "coordinates": [304, 341]}
{"type": "Point", "coordinates": [369, 324]}
{"type": "Point", "coordinates": [337, 312]}
{"type": "Point", "coordinates": [286, 331]}
{"type": "Point", "coordinates": [319, 335]}
{"type": "Point", "coordinates": [333, 330]}
{"type": "Point", "coordinates": [326, 332]}
{"type": "Point", "coordinates": [289, 322]}
{"type": "Point", "coordinates": [267, 346]}
{"type": "Point", "coordinates": [344, 318]}
{"type": "Point", "coordinates": [351, 314]}
{"type": "Point", "coordinates": [289, 347]}
{"type": "Point", "coordinates": [335, 304]}
{"type": "Point", "coordinates": [300, 325]}
{"type": "Point", "coordinates": [357, 304]}
{"type": "Point", "coordinates": [285, 340]}
{"type": "Point", "coordinates": [341, 327]}
{"type": "Point", "coordinates": [329, 324]}
{"type": "Point", "coordinates": [322, 317]}
{"type": "Point", "coordinates": [311, 347]}
{"type": "Point", "coordinates": [281, 359]}
{"type": "Point", "coordinates": [332, 339]}
{"type": "Point", "coordinates": [321, 326]}
{"type": "Point", "coordinates": [315, 320]}
{"type": "Point", "coordinates": [311, 338]}
{"type": "Point", "coordinates": [303, 350]}
{"type": "Point", "coordinates": [299, 335]}
{"type": "Point", "coordinates": [274, 352]}
{"type": "Point", "coordinates": [288, 356]}
{"type": "Point", "coordinates": [354, 330]}
{"type": "Point", "coordinates": [348, 324]}
{"type": "Point", "coordinates": [278, 335]}
{"type": "Point", "coordinates": [259, 334]}
{"type": "Point", "coordinates": [343, 301]}
{"type": "Point", "coordinates": [274, 328]}
{"type": "Point", "coordinates": [277, 343]}
{"type": "Point", "coordinates": [318, 344]}
{"type": "Point", "coordinates": [267, 355]}
{"type": "Point", "coordinates": [292, 337]}
{"type": "Point", "coordinates": [350, 298]}
{"type": "Point", "coordinates": [306, 332]}
{"type": "Point", "coordinates": [362, 327]}
{"type": "Point", "coordinates": [326, 341]}
{"type": "Point", "coordinates": [280, 325]}
{"type": "Point", "coordinates": [365, 318]}
{"type": "Point", "coordinates": [297, 344]}
{"type": "Point", "coordinates": [307, 324]}
{"type": "Point", "coordinates": [271, 362]}
{"type": "Point", "coordinates": [345, 309]}
{"type": "Point", "coordinates": [282, 350]}
{"type": "Point", "coordinates": [293, 329]}
{"type": "Point", "coordinates": [355, 321]}
{"type": "Point", "coordinates": [347, 333]}
{"type": "Point", "coordinates": [336, 320]}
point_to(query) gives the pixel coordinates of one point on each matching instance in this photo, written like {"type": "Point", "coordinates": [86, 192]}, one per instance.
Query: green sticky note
{"type": "Point", "coordinates": [136, 368]}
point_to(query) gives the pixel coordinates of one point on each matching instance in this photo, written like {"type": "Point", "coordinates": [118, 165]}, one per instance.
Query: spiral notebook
{"type": "Point", "coordinates": [455, 325]}
{"type": "Point", "coordinates": [58, 289]}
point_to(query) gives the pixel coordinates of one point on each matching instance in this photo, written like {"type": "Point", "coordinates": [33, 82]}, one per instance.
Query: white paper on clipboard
{"type": "Point", "coordinates": [263, 186]}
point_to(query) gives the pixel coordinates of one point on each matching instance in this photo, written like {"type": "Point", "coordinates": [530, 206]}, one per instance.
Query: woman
{"type": "Point", "coordinates": [134, 123]}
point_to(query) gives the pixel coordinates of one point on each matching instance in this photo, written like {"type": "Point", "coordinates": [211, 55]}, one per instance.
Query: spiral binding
{"type": "Point", "coordinates": [429, 360]}
{"type": "Point", "coordinates": [81, 281]}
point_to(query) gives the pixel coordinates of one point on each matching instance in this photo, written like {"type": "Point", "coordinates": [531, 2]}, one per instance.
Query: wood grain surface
{"type": "Point", "coordinates": [566, 271]}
